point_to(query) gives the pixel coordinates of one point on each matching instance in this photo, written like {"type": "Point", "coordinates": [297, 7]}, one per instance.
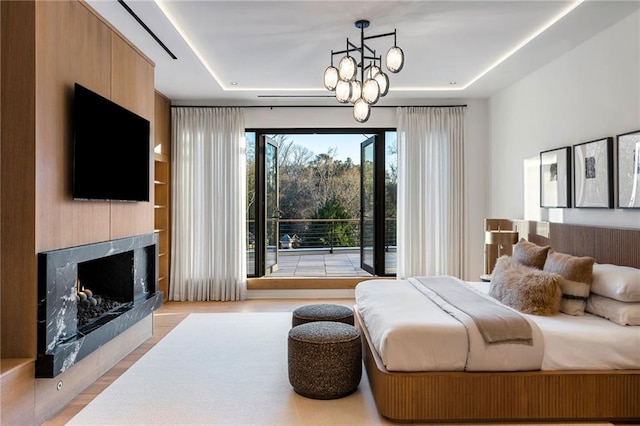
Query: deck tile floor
{"type": "Point", "coordinates": [336, 264]}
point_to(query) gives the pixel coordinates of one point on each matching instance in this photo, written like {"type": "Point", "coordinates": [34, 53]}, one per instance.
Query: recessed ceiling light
{"type": "Point", "coordinates": [234, 83]}
{"type": "Point", "coordinates": [453, 83]}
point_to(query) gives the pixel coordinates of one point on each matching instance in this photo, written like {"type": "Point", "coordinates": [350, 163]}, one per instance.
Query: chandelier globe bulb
{"type": "Point", "coordinates": [395, 59]}
{"type": "Point", "coordinates": [330, 78]}
{"type": "Point", "coordinates": [372, 71]}
{"type": "Point", "coordinates": [343, 91]}
{"type": "Point", "coordinates": [356, 91]}
{"type": "Point", "coordinates": [347, 68]}
{"type": "Point", "coordinates": [383, 83]}
{"type": "Point", "coordinates": [371, 91]}
{"type": "Point", "coordinates": [361, 111]}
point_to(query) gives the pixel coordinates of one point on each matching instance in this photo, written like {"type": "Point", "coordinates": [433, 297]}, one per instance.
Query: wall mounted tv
{"type": "Point", "coordinates": [111, 150]}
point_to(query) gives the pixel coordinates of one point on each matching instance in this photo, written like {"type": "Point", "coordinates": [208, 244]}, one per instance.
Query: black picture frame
{"type": "Point", "coordinates": [628, 170]}
{"type": "Point", "coordinates": [555, 178]}
{"type": "Point", "coordinates": [593, 174]}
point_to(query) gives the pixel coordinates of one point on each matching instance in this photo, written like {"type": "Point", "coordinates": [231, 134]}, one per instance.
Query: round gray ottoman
{"type": "Point", "coordinates": [322, 312]}
{"type": "Point", "coordinates": [325, 359]}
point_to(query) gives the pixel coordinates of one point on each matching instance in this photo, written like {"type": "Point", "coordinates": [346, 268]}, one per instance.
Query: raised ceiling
{"type": "Point", "coordinates": [253, 52]}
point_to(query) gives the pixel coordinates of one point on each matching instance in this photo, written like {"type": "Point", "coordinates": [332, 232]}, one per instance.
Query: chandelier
{"type": "Point", "coordinates": [372, 83]}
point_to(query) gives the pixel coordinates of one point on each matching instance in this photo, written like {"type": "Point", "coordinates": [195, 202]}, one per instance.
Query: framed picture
{"type": "Point", "coordinates": [555, 178]}
{"type": "Point", "coordinates": [592, 173]}
{"type": "Point", "coordinates": [628, 160]}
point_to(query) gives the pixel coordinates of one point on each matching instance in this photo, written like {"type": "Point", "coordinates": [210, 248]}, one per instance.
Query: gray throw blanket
{"type": "Point", "coordinates": [496, 323]}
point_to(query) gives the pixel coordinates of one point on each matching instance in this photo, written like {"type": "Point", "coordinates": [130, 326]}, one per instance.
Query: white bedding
{"type": "Point", "coordinates": [409, 339]}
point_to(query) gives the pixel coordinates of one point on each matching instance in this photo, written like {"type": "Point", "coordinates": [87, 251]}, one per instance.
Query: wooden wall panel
{"type": "Point", "coordinates": [46, 48]}
{"type": "Point", "coordinates": [17, 389]}
{"type": "Point", "coordinates": [132, 87]}
{"type": "Point", "coordinates": [17, 246]}
{"type": "Point", "coordinates": [162, 127]}
{"type": "Point", "coordinates": [72, 46]}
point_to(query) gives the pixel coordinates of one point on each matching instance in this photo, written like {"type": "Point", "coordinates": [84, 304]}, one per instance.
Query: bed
{"type": "Point", "coordinates": [586, 385]}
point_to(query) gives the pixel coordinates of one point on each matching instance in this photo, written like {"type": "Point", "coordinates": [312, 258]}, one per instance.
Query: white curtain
{"type": "Point", "coordinates": [208, 242]}
{"type": "Point", "coordinates": [431, 191]}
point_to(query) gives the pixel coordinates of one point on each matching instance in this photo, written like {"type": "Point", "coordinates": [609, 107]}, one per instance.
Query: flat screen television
{"type": "Point", "coordinates": [111, 150]}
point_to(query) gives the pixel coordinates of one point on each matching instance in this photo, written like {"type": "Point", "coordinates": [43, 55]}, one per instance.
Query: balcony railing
{"type": "Point", "coordinates": [321, 233]}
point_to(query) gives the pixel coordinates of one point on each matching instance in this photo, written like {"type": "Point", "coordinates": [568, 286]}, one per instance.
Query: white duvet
{"type": "Point", "coordinates": [411, 333]}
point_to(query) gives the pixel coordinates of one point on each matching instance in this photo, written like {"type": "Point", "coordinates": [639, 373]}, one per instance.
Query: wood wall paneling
{"type": "Point", "coordinates": [16, 392]}
{"type": "Point", "coordinates": [72, 46]}
{"type": "Point", "coordinates": [45, 48]}
{"type": "Point", "coordinates": [17, 215]}
{"type": "Point", "coordinates": [17, 246]}
{"type": "Point", "coordinates": [162, 127]}
{"type": "Point", "coordinates": [132, 87]}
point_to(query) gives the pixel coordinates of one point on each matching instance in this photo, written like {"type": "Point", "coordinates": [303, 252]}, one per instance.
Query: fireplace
{"type": "Point", "coordinates": [89, 294]}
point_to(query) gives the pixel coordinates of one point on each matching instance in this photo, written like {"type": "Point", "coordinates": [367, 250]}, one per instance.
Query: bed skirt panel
{"type": "Point", "coordinates": [500, 396]}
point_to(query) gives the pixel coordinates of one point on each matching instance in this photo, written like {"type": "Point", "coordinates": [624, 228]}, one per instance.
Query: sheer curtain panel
{"type": "Point", "coordinates": [431, 191]}
{"type": "Point", "coordinates": [208, 244]}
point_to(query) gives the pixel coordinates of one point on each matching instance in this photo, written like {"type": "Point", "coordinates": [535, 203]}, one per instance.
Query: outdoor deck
{"type": "Point", "coordinates": [336, 264]}
{"type": "Point", "coordinates": [320, 248]}
{"type": "Point", "coordinates": [322, 263]}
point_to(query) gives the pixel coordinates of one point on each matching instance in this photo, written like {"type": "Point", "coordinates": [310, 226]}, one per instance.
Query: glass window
{"type": "Point", "coordinates": [251, 202]}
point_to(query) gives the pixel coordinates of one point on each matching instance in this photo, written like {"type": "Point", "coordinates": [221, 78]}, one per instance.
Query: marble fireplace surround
{"type": "Point", "coordinates": [126, 269]}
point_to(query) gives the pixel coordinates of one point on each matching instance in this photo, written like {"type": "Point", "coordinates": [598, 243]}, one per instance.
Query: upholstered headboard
{"type": "Point", "coordinates": [619, 246]}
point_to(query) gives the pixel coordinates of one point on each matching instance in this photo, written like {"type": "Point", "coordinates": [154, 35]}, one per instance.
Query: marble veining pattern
{"type": "Point", "coordinates": [126, 268]}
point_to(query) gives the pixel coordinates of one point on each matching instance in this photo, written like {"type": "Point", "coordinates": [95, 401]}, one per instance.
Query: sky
{"type": "Point", "coordinates": [347, 145]}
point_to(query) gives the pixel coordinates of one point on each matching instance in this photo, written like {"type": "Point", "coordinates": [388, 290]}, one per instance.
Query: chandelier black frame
{"type": "Point", "coordinates": [367, 91]}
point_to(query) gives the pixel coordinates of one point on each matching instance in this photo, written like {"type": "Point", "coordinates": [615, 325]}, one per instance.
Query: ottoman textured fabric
{"type": "Point", "coordinates": [322, 312]}
{"type": "Point", "coordinates": [325, 359]}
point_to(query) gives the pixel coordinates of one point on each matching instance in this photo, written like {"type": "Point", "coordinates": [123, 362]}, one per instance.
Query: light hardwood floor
{"type": "Point", "coordinates": [164, 320]}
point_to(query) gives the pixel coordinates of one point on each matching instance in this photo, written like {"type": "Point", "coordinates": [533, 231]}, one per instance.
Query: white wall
{"type": "Point", "coordinates": [589, 93]}
{"type": "Point", "coordinates": [477, 154]}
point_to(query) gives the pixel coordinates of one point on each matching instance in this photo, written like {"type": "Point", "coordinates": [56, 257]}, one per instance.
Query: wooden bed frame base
{"type": "Point", "coordinates": [500, 397]}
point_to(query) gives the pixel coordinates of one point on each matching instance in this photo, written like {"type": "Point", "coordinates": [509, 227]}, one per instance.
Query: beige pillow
{"type": "Point", "coordinates": [616, 282]}
{"type": "Point", "coordinates": [623, 313]}
{"type": "Point", "coordinates": [530, 254]}
{"type": "Point", "coordinates": [528, 290]}
{"type": "Point", "coordinates": [577, 274]}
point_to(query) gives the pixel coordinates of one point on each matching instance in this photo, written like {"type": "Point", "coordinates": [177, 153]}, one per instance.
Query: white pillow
{"type": "Point", "coordinates": [623, 313]}
{"type": "Point", "coordinates": [617, 282]}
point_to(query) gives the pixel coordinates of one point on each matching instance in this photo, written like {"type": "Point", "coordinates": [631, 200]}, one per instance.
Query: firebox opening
{"type": "Point", "coordinates": [104, 289]}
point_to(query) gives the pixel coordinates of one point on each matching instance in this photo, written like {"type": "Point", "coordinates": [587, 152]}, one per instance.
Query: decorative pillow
{"type": "Point", "coordinates": [528, 290]}
{"type": "Point", "coordinates": [577, 274]}
{"type": "Point", "coordinates": [623, 313]}
{"type": "Point", "coordinates": [617, 282]}
{"type": "Point", "coordinates": [530, 254]}
{"type": "Point", "coordinates": [497, 289]}
{"type": "Point", "coordinates": [574, 297]}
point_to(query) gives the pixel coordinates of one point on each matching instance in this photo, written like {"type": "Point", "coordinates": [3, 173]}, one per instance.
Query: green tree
{"type": "Point", "coordinates": [336, 234]}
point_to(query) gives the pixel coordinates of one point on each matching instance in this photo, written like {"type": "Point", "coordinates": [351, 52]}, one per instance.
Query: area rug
{"type": "Point", "coordinates": [222, 369]}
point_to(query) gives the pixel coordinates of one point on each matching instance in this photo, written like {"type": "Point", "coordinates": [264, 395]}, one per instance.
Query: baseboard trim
{"type": "Point", "coordinates": [301, 294]}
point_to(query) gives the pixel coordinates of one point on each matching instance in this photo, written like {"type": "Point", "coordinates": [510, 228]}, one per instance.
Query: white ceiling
{"type": "Point", "coordinates": [276, 51]}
